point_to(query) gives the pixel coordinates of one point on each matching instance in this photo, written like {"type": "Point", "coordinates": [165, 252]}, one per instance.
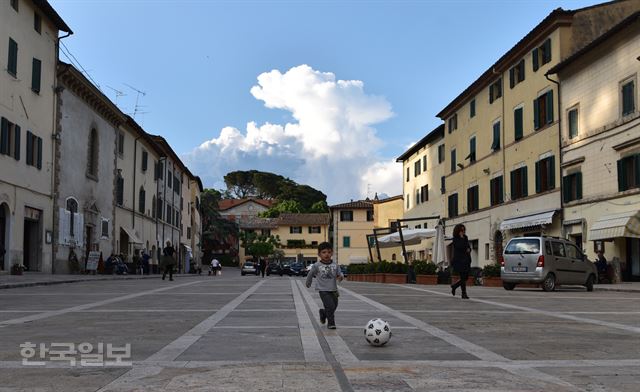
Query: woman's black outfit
{"type": "Point", "coordinates": [461, 263]}
{"type": "Point", "coordinates": [169, 261]}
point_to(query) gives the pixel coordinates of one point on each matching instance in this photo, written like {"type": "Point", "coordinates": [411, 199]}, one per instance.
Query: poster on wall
{"type": "Point", "coordinates": [92, 261]}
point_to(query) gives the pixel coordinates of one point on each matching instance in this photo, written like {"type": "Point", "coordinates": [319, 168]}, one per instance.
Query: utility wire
{"type": "Point", "coordinates": [68, 53]}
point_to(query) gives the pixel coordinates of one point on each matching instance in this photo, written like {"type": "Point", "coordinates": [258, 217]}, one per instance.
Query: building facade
{"type": "Point", "coordinates": [300, 235]}
{"type": "Point", "coordinates": [351, 222]}
{"type": "Point", "coordinates": [386, 213]}
{"type": "Point", "coordinates": [29, 32]}
{"type": "Point", "coordinates": [600, 136]}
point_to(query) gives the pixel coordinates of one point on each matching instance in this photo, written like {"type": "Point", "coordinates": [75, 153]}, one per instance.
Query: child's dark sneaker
{"type": "Point", "coordinates": [331, 326]}
{"type": "Point", "coordinates": [323, 316]}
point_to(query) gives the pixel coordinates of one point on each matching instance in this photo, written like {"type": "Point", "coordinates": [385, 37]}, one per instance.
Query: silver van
{"type": "Point", "coordinates": [547, 261]}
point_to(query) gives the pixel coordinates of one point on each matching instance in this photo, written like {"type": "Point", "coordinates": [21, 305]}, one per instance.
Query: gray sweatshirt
{"type": "Point", "coordinates": [325, 274]}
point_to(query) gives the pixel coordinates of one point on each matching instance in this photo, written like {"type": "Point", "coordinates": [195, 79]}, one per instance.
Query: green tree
{"type": "Point", "coordinates": [259, 245]}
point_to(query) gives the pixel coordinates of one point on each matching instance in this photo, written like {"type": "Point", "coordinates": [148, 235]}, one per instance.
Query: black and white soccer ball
{"type": "Point", "coordinates": [377, 332]}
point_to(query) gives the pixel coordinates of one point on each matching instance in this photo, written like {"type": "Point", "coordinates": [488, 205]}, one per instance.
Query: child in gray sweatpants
{"type": "Point", "coordinates": [326, 272]}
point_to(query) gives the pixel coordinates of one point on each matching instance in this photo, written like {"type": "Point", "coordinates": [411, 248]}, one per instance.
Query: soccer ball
{"type": "Point", "coordinates": [377, 332]}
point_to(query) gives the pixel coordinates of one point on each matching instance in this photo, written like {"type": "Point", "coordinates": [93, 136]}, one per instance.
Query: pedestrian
{"type": "Point", "coordinates": [168, 260]}
{"type": "Point", "coordinates": [461, 259]}
{"type": "Point", "coordinates": [326, 272]}
{"type": "Point", "coordinates": [601, 263]}
{"type": "Point", "coordinates": [263, 266]}
{"type": "Point", "coordinates": [145, 261]}
{"type": "Point", "coordinates": [215, 266]}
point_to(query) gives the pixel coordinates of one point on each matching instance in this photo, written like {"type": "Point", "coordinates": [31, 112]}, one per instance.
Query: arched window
{"type": "Point", "coordinates": [153, 208]}
{"type": "Point", "coordinates": [120, 189]}
{"type": "Point", "coordinates": [141, 200]}
{"type": "Point", "coordinates": [92, 151]}
{"type": "Point", "coordinates": [72, 207]}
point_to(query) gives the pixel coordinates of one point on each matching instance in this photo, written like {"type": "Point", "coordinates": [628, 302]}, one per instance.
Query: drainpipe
{"type": "Point", "coordinates": [546, 75]}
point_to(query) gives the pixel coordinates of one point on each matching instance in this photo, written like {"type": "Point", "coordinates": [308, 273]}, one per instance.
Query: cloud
{"type": "Point", "coordinates": [331, 145]}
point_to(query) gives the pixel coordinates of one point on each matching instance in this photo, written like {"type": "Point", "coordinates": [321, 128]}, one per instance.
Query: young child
{"type": "Point", "coordinates": [327, 272]}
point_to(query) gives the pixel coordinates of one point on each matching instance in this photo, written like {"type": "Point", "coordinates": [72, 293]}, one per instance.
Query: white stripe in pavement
{"type": "Point", "coordinates": [561, 315]}
{"type": "Point", "coordinates": [78, 308]}
{"type": "Point", "coordinates": [310, 343]}
{"type": "Point", "coordinates": [471, 348]}
{"type": "Point", "coordinates": [338, 347]}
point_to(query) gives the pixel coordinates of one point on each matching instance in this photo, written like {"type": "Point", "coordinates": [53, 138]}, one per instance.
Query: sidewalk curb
{"type": "Point", "coordinates": [621, 290]}
{"type": "Point", "coordinates": [6, 286]}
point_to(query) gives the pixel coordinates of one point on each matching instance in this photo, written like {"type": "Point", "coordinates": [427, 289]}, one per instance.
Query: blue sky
{"type": "Point", "coordinates": [400, 63]}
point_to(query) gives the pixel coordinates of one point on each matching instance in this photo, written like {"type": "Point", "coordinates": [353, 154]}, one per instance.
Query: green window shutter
{"type": "Point", "coordinates": [496, 137]}
{"type": "Point", "coordinates": [579, 185]}
{"type": "Point", "coordinates": [501, 189]}
{"type": "Point", "coordinates": [636, 163]}
{"type": "Point", "coordinates": [538, 179]}
{"type": "Point", "coordinates": [517, 119]}
{"type": "Point", "coordinates": [513, 183]}
{"type": "Point", "coordinates": [39, 163]}
{"type": "Point", "coordinates": [17, 143]}
{"type": "Point", "coordinates": [566, 189]}
{"type": "Point", "coordinates": [4, 139]}
{"type": "Point", "coordinates": [472, 149]}
{"type": "Point", "coordinates": [525, 183]}
{"type": "Point", "coordinates": [36, 75]}
{"type": "Point", "coordinates": [12, 63]}
{"type": "Point", "coordinates": [622, 178]}
{"type": "Point", "coordinates": [492, 195]}
{"type": "Point", "coordinates": [469, 203]}
{"type": "Point", "coordinates": [551, 172]}
{"type": "Point", "coordinates": [547, 51]}
{"type": "Point", "coordinates": [521, 70]}
{"type": "Point", "coordinates": [536, 123]}
{"type": "Point", "coordinates": [29, 148]}
{"type": "Point", "coordinates": [628, 104]}
{"type": "Point", "coordinates": [534, 58]}
{"type": "Point", "coordinates": [549, 107]}
{"type": "Point", "coordinates": [512, 81]}
{"type": "Point", "coordinates": [491, 94]}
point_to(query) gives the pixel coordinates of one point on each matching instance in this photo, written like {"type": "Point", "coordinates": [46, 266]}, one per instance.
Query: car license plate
{"type": "Point", "coordinates": [519, 269]}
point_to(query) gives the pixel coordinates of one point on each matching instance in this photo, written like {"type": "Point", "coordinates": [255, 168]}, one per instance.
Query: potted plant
{"type": "Point", "coordinates": [426, 272]}
{"type": "Point", "coordinates": [491, 275]}
{"type": "Point", "coordinates": [17, 268]}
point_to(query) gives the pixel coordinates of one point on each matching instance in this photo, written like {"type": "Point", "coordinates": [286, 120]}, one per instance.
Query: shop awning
{"type": "Point", "coordinates": [542, 218]}
{"type": "Point", "coordinates": [410, 236]}
{"type": "Point", "coordinates": [625, 224]}
{"type": "Point", "coordinates": [133, 238]}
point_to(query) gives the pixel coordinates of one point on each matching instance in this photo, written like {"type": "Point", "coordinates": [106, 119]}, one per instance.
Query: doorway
{"type": "Point", "coordinates": [4, 242]}
{"type": "Point", "coordinates": [31, 250]}
{"type": "Point", "coordinates": [497, 246]}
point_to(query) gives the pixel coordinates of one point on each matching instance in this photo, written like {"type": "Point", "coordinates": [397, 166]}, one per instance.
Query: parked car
{"type": "Point", "coordinates": [285, 268]}
{"type": "Point", "coordinates": [298, 269]}
{"type": "Point", "coordinates": [548, 261]}
{"type": "Point", "coordinates": [250, 268]}
{"type": "Point", "coordinates": [273, 268]}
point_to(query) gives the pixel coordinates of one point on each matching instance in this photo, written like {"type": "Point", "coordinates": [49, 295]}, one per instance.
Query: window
{"type": "Point", "coordinates": [424, 163]}
{"type": "Point", "coordinates": [573, 251]}
{"type": "Point", "coordinates": [545, 175]}
{"type": "Point", "coordinates": [497, 190]}
{"type": "Point", "coordinates": [408, 205]}
{"type": "Point", "coordinates": [176, 185]}
{"type": "Point", "coordinates": [14, 4]}
{"type": "Point", "coordinates": [472, 149]}
{"type": "Point", "coordinates": [572, 187]}
{"type": "Point", "coordinates": [159, 209]}
{"type": "Point", "coordinates": [453, 160]}
{"type": "Point", "coordinates": [104, 228]}
{"type": "Point", "coordinates": [453, 123]}
{"type": "Point", "coordinates": [495, 145]}
{"type": "Point", "coordinates": [516, 74]}
{"type": "Point", "coordinates": [145, 158]}
{"type": "Point", "coordinates": [441, 153]}
{"type": "Point", "coordinates": [177, 221]}
{"type": "Point", "coordinates": [346, 242]}
{"type": "Point", "coordinates": [314, 230]}
{"type": "Point", "coordinates": [141, 200]}
{"type": "Point", "coordinates": [121, 143]}
{"type": "Point", "coordinates": [92, 154]}
{"type": "Point", "coordinates": [418, 227]}
{"type": "Point", "coordinates": [558, 249]}
{"type": "Point", "coordinates": [417, 196]}
{"type": "Point", "coordinates": [442, 185]}
{"type": "Point", "coordinates": [295, 230]}
{"type": "Point", "coordinates": [417, 168]}
{"type": "Point", "coordinates": [472, 108]}
{"type": "Point", "coordinates": [12, 61]}
{"type": "Point", "coordinates": [369, 215]}
{"type": "Point", "coordinates": [517, 124]}
{"type": "Point", "coordinates": [424, 193]}
{"type": "Point", "coordinates": [36, 72]}
{"type": "Point", "coordinates": [541, 55]}
{"type": "Point", "coordinates": [159, 171]}
{"type": "Point", "coordinates": [543, 110]}
{"type": "Point", "coordinates": [10, 139]}
{"type": "Point", "coordinates": [37, 22]}
{"type": "Point", "coordinates": [629, 172]}
{"type": "Point", "coordinates": [408, 175]}
{"type": "Point", "coordinates": [628, 97]}
{"type": "Point", "coordinates": [453, 205]}
{"type": "Point", "coordinates": [72, 207]}
{"type": "Point", "coordinates": [169, 214]}
{"type": "Point", "coordinates": [519, 183]}
{"type": "Point", "coordinates": [120, 190]}
{"type": "Point", "coordinates": [265, 232]}
{"type": "Point", "coordinates": [154, 207]}
{"type": "Point", "coordinates": [495, 90]}
{"type": "Point", "coordinates": [34, 150]}
{"type": "Point", "coordinates": [346, 216]}
{"type": "Point", "coordinates": [169, 178]}
{"type": "Point", "coordinates": [572, 119]}
{"type": "Point", "coordinates": [188, 233]}
{"type": "Point", "coordinates": [472, 199]}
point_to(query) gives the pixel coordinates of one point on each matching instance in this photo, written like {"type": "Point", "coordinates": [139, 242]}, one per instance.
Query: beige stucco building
{"type": "Point", "coordinates": [600, 136]}
{"type": "Point", "coordinates": [29, 32]}
{"type": "Point", "coordinates": [194, 234]}
{"type": "Point", "coordinates": [351, 222]}
{"type": "Point", "coordinates": [300, 235]}
{"type": "Point", "coordinates": [386, 213]}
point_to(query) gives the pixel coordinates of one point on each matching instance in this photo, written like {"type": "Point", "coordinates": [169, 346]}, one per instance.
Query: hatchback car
{"type": "Point", "coordinates": [547, 261]}
{"type": "Point", "coordinates": [250, 268]}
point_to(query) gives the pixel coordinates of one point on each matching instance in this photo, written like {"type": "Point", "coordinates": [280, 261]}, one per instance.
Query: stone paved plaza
{"type": "Point", "coordinates": [245, 333]}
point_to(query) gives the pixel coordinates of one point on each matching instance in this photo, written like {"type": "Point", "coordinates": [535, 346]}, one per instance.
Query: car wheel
{"type": "Point", "coordinates": [549, 283]}
{"type": "Point", "coordinates": [508, 286]}
{"type": "Point", "coordinates": [242, 273]}
{"type": "Point", "coordinates": [590, 281]}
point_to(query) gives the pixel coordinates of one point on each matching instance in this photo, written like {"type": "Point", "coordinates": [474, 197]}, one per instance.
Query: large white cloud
{"type": "Point", "coordinates": [331, 146]}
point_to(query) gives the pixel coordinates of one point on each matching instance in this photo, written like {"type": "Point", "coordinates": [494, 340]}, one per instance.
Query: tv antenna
{"type": "Point", "coordinates": [118, 94]}
{"type": "Point", "coordinates": [136, 108]}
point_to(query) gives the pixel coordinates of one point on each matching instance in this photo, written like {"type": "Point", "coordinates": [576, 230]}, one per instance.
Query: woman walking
{"type": "Point", "coordinates": [461, 259]}
{"type": "Point", "coordinates": [168, 260]}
